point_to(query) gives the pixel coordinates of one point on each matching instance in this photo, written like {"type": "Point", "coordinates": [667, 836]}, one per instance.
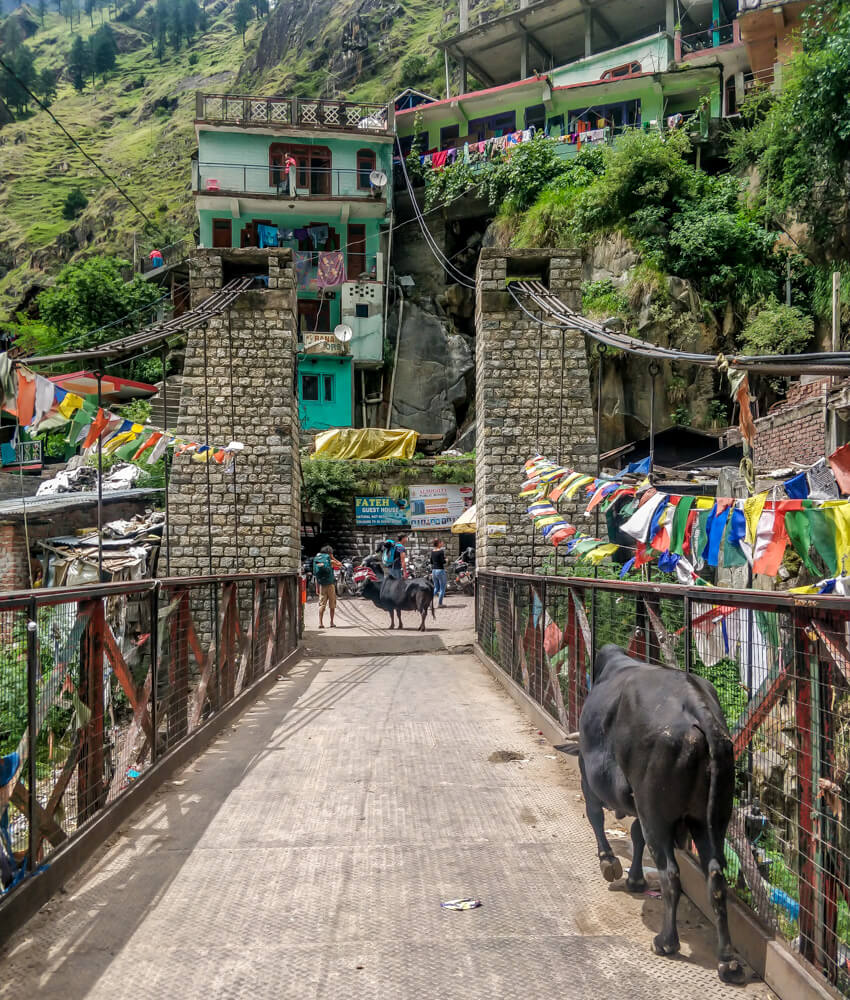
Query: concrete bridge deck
{"type": "Point", "coordinates": [307, 852]}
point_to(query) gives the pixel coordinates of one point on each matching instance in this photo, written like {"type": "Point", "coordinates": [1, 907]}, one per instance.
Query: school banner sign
{"type": "Point", "coordinates": [438, 507]}
{"type": "Point", "coordinates": [381, 510]}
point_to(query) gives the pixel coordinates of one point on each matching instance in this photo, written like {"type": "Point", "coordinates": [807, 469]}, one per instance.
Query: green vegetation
{"type": "Point", "coordinates": [602, 299]}
{"type": "Point", "coordinates": [776, 329]}
{"type": "Point", "coordinates": [75, 202]}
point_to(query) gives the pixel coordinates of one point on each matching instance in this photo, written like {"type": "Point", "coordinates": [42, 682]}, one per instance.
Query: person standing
{"type": "Point", "coordinates": [399, 569]}
{"type": "Point", "coordinates": [438, 570]}
{"type": "Point", "coordinates": [324, 565]}
{"type": "Point", "coordinates": [290, 165]}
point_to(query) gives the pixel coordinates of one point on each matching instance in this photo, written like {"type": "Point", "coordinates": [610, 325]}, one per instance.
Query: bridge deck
{"type": "Point", "coordinates": [307, 852]}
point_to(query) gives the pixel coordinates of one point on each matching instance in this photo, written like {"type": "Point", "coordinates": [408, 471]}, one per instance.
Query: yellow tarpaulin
{"type": "Point", "coordinates": [366, 443]}
{"type": "Point", "coordinates": [465, 523]}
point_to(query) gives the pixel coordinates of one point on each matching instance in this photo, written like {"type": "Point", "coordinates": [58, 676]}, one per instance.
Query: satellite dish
{"type": "Point", "coordinates": [343, 333]}
{"type": "Point", "coordinates": [378, 179]}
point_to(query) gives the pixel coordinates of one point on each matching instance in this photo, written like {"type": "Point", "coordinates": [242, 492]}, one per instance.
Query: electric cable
{"type": "Point", "coordinates": [4, 65]}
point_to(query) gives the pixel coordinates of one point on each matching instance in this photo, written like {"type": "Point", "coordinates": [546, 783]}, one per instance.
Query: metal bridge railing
{"type": "Point", "coordinates": [99, 684]}
{"type": "Point", "coordinates": [781, 667]}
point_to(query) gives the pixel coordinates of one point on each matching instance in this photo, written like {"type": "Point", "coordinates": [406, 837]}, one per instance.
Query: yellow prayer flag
{"type": "Point", "coordinates": [70, 404]}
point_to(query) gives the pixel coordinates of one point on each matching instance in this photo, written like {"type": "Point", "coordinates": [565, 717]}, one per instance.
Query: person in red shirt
{"type": "Point", "coordinates": [290, 164]}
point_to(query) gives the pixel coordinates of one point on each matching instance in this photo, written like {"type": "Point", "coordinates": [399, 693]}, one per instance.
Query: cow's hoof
{"type": "Point", "coordinates": [611, 869]}
{"type": "Point", "coordinates": [731, 971]}
{"type": "Point", "coordinates": [661, 946]}
{"type": "Point", "coordinates": [636, 884]}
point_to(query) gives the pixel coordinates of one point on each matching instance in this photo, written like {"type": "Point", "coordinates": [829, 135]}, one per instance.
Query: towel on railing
{"type": "Point", "coordinates": [303, 269]}
{"type": "Point", "coordinates": [266, 235]}
{"type": "Point", "coordinates": [331, 269]}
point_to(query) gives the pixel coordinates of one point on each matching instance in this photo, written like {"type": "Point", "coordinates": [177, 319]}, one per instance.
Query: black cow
{"type": "Point", "coordinates": [396, 596]}
{"type": "Point", "coordinates": [654, 744]}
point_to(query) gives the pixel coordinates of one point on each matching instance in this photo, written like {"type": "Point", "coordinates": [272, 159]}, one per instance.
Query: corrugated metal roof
{"type": "Point", "coordinates": [65, 501]}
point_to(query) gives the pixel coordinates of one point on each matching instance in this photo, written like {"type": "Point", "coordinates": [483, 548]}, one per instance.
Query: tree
{"type": "Point", "coordinates": [74, 203]}
{"type": "Point", "coordinates": [78, 63]}
{"type": "Point", "coordinates": [47, 81]}
{"type": "Point", "coordinates": [91, 293]}
{"type": "Point", "coordinates": [13, 88]}
{"type": "Point", "coordinates": [262, 7]}
{"type": "Point", "coordinates": [42, 10]}
{"type": "Point", "coordinates": [191, 17]}
{"type": "Point", "coordinates": [176, 28]}
{"type": "Point", "coordinates": [104, 50]}
{"type": "Point", "coordinates": [160, 26]}
{"type": "Point", "coordinates": [242, 18]}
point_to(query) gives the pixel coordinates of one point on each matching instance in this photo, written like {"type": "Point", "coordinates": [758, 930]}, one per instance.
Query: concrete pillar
{"type": "Point", "coordinates": [507, 432]}
{"type": "Point", "coordinates": [250, 360]}
{"type": "Point", "coordinates": [464, 77]}
{"type": "Point", "coordinates": [463, 13]}
{"type": "Point", "coordinates": [523, 58]}
{"type": "Point", "coordinates": [588, 32]}
{"type": "Point", "coordinates": [669, 17]}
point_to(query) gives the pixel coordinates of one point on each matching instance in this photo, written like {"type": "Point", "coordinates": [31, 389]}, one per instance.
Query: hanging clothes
{"type": "Point", "coordinates": [438, 159]}
{"type": "Point", "coordinates": [331, 269]}
{"type": "Point", "coordinates": [318, 235]}
{"type": "Point", "coordinates": [25, 403]}
{"type": "Point", "coordinates": [303, 268]}
{"type": "Point", "coordinates": [45, 393]}
{"type": "Point", "coordinates": [267, 236]}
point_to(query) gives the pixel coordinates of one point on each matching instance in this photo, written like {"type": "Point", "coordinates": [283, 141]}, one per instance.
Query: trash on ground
{"type": "Point", "coordinates": [616, 834]}
{"type": "Point", "coordinates": [461, 904]}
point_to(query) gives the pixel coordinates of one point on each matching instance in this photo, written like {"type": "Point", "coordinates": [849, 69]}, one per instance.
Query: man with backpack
{"type": "Point", "coordinates": [394, 559]}
{"type": "Point", "coordinates": [324, 565]}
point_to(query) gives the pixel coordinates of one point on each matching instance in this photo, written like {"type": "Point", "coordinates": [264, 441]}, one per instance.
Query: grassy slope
{"type": "Point", "coordinates": [146, 152]}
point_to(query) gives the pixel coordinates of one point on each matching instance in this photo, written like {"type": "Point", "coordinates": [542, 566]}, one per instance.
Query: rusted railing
{"type": "Point", "coordinates": [781, 667]}
{"type": "Point", "coordinates": [100, 684]}
{"type": "Point", "coordinates": [309, 114]}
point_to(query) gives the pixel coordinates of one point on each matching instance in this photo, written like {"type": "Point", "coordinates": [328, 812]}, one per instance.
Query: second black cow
{"type": "Point", "coordinates": [396, 596]}
{"type": "Point", "coordinates": [654, 744]}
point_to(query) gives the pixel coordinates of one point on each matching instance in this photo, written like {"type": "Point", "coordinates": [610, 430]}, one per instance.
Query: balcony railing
{"type": "Point", "coordinates": [21, 453]}
{"type": "Point", "coordinates": [298, 113]}
{"type": "Point", "coordinates": [708, 38]}
{"type": "Point", "coordinates": [314, 183]}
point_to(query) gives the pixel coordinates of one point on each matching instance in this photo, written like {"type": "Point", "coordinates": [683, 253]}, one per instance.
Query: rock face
{"type": "Point", "coordinates": [431, 379]}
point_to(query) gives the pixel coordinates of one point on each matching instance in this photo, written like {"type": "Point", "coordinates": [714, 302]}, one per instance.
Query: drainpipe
{"type": "Point", "coordinates": [395, 359]}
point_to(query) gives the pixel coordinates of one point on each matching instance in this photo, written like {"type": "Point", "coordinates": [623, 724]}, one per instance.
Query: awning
{"type": "Point", "coordinates": [465, 523]}
{"type": "Point", "coordinates": [366, 443]}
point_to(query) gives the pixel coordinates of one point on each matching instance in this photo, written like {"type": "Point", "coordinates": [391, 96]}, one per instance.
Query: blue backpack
{"type": "Point", "coordinates": [323, 569]}
{"type": "Point", "coordinates": [388, 555]}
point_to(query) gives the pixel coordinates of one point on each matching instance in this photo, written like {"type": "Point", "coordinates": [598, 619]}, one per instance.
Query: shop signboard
{"type": "Point", "coordinates": [381, 511]}
{"type": "Point", "coordinates": [438, 507]}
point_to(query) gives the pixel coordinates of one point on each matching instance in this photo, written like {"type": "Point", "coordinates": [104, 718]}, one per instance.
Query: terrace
{"type": "Point", "coordinates": [294, 114]}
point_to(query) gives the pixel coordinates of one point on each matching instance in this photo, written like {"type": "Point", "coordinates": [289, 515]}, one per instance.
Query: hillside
{"type": "Point", "coordinates": [138, 122]}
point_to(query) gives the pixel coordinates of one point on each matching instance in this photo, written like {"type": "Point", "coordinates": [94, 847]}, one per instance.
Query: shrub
{"type": "Point", "coordinates": [776, 329]}
{"type": "Point", "coordinates": [327, 485]}
{"type": "Point", "coordinates": [602, 299]}
{"type": "Point", "coordinates": [74, 203]}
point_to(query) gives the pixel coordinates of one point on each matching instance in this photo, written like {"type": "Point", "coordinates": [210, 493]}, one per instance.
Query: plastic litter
{"type": "Point", "coordinates": [461, 904]}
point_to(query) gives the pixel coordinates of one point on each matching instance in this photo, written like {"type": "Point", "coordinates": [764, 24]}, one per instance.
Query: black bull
{"type": "Point", "coordinates": [396, 596]}
{"type": "Point", "coordinates": [654, 744]}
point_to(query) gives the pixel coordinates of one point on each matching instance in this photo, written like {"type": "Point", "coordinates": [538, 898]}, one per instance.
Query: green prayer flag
{"type": "Point", "coordinates": [680, 522]}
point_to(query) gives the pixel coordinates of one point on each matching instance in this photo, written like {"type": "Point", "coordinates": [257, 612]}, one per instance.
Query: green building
{"type": "Point", "coordinates": [315, 176]}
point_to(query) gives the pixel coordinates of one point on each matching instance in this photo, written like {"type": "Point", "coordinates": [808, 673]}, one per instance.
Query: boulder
{"type": "Point", "coordinates": [611, 258]}
{"type": "Point", "coordinates": [431, 378]}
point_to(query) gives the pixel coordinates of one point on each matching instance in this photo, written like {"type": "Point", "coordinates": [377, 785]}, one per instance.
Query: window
{"type": "Point", "coordinates": [361, 310]}
{"type": "Point", "coordinates": [555, 125]}
{"type": "Point", "coordinates": [535, 115]}
{"type": "Point", "coordinates": [313, 170]}
{"type": "Point", "coordinates": [317, 388]}
{"type": "Point", "coordinates": [314, 316]}
{"type": "Point", "coordinates": [365, 166]}
{"type": "Point", "coordinates": [619, 72]}
{"type": "Point", "coordinates": [495, 125]}
{"type": "Point", "coordinates": [222, 232]}
{"type": "Point", "coordinates": [448, 134]}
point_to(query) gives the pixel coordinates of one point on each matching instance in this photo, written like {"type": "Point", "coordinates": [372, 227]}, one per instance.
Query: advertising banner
{"type": "Point", "coordinates": [438, 506]}
{"type": "Point", "coordinates": [381, 510]}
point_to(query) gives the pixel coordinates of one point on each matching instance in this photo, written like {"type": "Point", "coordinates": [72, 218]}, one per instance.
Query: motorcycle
{"type": "Point", "coordinates": [464, 576]}
{"type": "Point", "coordinates": [345, 583]}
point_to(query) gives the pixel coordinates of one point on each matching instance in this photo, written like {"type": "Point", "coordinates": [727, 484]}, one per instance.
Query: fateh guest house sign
{"type": "Point", "coordinates": [381, 510]}
{"type": "Point", "coordinates": [438, 506]}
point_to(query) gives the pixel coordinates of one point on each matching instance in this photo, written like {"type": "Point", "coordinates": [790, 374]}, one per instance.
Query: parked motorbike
{"type": "Point", "coordinates": [345, 578]}
{"type": "Point", "coordinates": [464, 576]}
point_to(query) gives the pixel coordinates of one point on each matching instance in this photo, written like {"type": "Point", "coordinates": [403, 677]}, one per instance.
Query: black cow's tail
{"type": "Point", "coordinates": [721, 765]}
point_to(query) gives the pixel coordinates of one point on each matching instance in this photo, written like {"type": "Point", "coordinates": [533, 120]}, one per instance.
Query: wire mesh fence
{"type": "Point", "coordinates": [98, 685]}
{"type": "Point", "coordinates": [781, 669]}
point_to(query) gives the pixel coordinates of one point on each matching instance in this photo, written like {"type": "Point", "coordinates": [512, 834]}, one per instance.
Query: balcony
{"type": "Point", "coordinates": [21, 454]}
{"type": "Point", "coordinates": [311, 183]}
{"type": "Point", "coordinates": [294, 114]}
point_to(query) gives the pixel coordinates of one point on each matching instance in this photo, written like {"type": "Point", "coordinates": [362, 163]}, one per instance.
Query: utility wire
{"type": "Point", "coordinates": [4, 65]}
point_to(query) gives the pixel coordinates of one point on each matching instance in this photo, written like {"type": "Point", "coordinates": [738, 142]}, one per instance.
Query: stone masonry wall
{"type": "Point", "coordinates": [245, 376]}
{"type": "Point", "coordinates": [506, 401]}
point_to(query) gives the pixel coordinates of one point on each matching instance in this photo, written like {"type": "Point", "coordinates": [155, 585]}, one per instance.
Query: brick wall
{"type": "Point", "coordinates": [506, 401]}
{"type": "Point", "coordinates": [243, 373]}
{"type": "Point", "coordinates": [793, 431]}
